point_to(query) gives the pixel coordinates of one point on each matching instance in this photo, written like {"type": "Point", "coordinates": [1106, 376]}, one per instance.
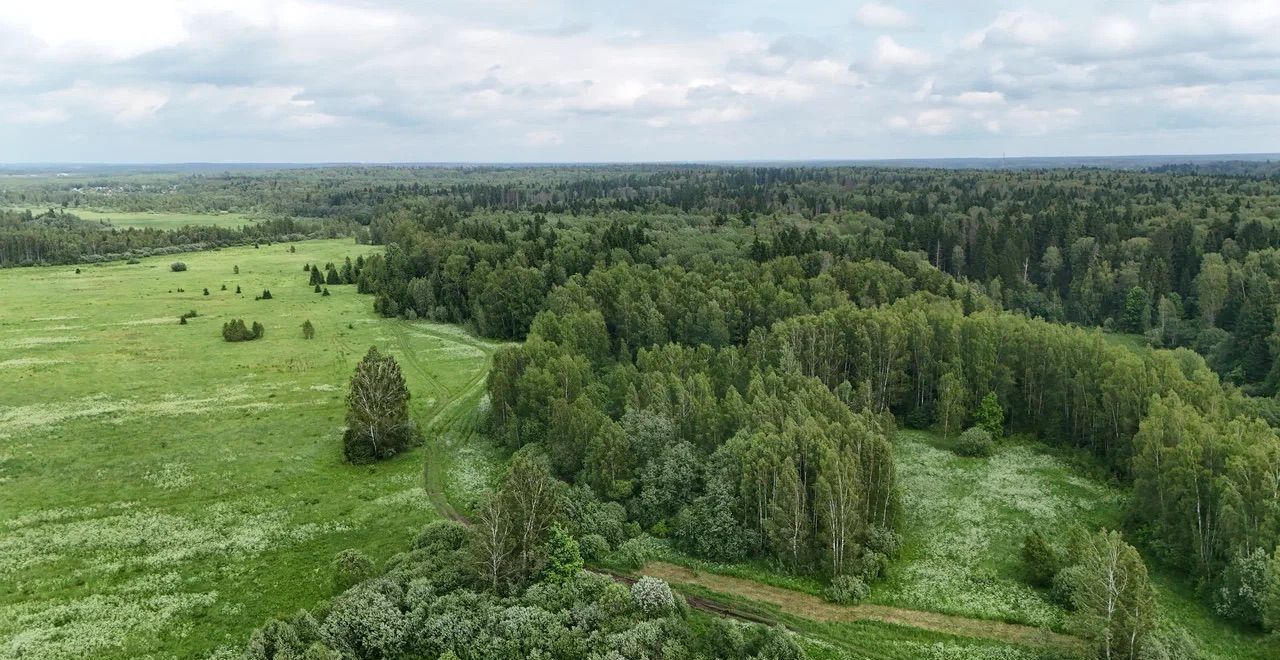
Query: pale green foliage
{"type": "Point", "coordinates": [652, 596]}
{"type": "Point", "coordinates": [365, 622]}
{"type": "Point", "coordinates": [351, 566]}
{"type": "Point", "coordinates": [847, 589]}
{"type": "Point", "coordinates": [974, 442]}
{"type": "Point", "coordinates": [1113, 597]}
{"type": "Point", "coordinates": [1242, 594]}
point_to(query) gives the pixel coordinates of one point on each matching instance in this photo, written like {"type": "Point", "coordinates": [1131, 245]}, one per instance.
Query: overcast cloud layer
{"type": "Point", "coordinates": [612, 80]}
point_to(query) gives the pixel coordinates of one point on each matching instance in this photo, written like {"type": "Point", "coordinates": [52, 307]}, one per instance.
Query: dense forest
{"type": "Point", "coordinates": [1185, 255]}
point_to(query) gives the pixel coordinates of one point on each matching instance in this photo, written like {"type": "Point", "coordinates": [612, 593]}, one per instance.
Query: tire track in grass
{"type": "Point", "coordinates": [811, 607]}
{"type": "Point", "coordinates": [449, 412]}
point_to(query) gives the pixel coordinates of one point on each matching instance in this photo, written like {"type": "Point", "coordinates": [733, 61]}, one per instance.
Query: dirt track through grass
{"type": "Point", "coordinates": [813, 608]}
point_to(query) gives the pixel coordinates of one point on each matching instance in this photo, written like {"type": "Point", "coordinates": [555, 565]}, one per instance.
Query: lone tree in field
{"type": "Point", "coordinates": [378, 424]}
{"type": "Point", "coordinates": [177, 266]}
{"type": "Point", "coordinates": [308, 330]}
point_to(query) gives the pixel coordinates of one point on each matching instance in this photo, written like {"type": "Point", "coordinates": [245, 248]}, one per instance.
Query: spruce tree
{"type": "Point", "coordinates": [308, 330]}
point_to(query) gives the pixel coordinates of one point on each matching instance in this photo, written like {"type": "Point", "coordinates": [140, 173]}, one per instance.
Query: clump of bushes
{"type": "Point", "coordinates": [177, 266]}
{"type": "Point", "coordinates": [351, 567]}
{"type": "Point", "coordinates": [133, 262]}
{"type": "Point", "coordinates": [1040, 560]}
{"type": "Point", "coordinates": [847, 590]}
{"type": "Point", "coordinates": [652, 596]}
{"type": "Point", "coordinates": [975, 442]}
{"type": "Point", "coordinates": [236, 330]}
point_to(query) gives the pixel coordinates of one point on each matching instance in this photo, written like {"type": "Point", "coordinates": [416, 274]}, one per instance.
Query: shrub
{"type": "Point", "coordinates": [237, 288]}
{"type": "Point", "coordinates": [1063, 587]}
{"type": "Point", "coordinates": [990, 416]}
{"type": "Point", "coordinates": [235, 269]}
{"type": "Point", "coordinates": [266, 294]}
{"type": "Point", "coordinates": [564, 559]}
{"type": "Point", "coordinates": [1040, 560]}
{"type": "Point", "coordinates": [326, 292]}
{"type": "Point", "coordinates": [177, 266]}
{"type": "Point", "coordinates": [847, 590]}
{"type": "Point", "coordinates": [206, 291]}
{"type": "Point", "coordinates": [920, 417]}
{"type": "Point", "coordinates": [635, 552]}
{"type": "Point", "coordinates": [364, 623]}
{"type": "Point", "coordinates": [868, 564]}
{"type": "Point", "coordinates": [652, 597]}
{"type": "Point", "coordinates": [224, 287]}
{"type": "Point", "coordinates": [77, 271]}
{"type": "Point", "coordinates": [351, 567]}
{"type": "Point", "coordinates": [974, 441]}
{"type": "Point", "coordinates": [133, 262]}
{"type": "Point", "coordinates": [593, 547]}
{"type": "Point", "coordinates": [317, 289]}
{"type": "Point", "coordinates": [1243, 593]}
{"type": "Point", "coordinates": [308, 330]}
{"type": "Point", "coordinates": [440, 536]}
{"type": "Point", "coordinates": [182, 320]}
{"type": "Point", "coordinates": [190, 314]}
{"type": "Point", "coordinates": [236, 330]}
{"type": "Point", "coordinates": [883, 540]}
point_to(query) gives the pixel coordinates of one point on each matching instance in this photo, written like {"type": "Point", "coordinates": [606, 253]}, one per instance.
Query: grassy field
{"type": "Point", "coordinates": [163, 492]}
{"type": "Point", "coordinates": [156, 220]}
{"type": "Point", "coordinates": [966, 518]}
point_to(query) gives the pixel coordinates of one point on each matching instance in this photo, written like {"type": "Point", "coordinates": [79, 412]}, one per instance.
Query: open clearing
{"type": "Point", "coordinates": [960, 572]}
{"type": "Point", "coordinates": [163, 492]}
{"type": "Point", "coordinates": [155, 219]}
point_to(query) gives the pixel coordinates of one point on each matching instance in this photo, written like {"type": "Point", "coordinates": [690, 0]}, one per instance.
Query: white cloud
{"type": "Point", "coordinates": [500, 79]}
{"type": "Point", "coordinates": [889, 54]}
{"type": "Point", "coordinates": [880, 16]}
{"type": "Point", "coordinates": [543, 138]}
{"type": "Point", "coordinates": [979, 98]}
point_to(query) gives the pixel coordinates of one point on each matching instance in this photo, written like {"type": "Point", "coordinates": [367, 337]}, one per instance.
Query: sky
{"type": "Point", "coordinates": [135, 81]}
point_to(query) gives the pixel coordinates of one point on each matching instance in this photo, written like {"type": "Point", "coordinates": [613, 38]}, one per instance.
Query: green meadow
{"type": "Point", "coordinates": [163, 492]}
{"type": "Point", "coordinates": [164, 220]}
